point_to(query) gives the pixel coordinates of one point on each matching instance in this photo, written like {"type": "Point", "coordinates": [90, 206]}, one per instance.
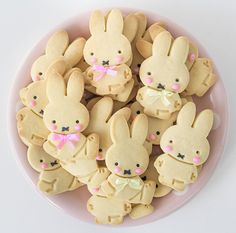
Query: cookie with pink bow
{"type": "Point", "coordinates": [107, 51]}
{"type": "Point", "coordinates": [66, 118]}
{"type": "Point", "coordinates": [164, 75]}
{"type": "Point", "coordinates": [185, 147]}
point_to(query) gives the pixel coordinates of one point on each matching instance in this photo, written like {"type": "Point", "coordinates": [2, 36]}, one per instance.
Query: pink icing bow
{"type": "Point", "coordinates": [63, 139]}
{"type": "Point", "coordinates": [110, 70]}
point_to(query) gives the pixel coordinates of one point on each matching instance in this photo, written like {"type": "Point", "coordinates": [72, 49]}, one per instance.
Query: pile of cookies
{"type": "Point", "coordinates": [97, 109]}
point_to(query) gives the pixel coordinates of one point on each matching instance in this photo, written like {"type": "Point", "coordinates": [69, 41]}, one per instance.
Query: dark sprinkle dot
{"type": "Point", "coordinates": [139, 65]}
{"type": "Point", "coordinates": [144, 178]}
{"type": "Point", "coordinates": [156, 185]}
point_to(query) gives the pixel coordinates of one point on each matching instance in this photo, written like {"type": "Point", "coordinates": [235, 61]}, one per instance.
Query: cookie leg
{"type": "Point", "coordinates": [178, 185]}
{"type": "Point", "coordinates": [140, 211]}
{"type": "Point", "coordinates": [46, 187]}
{"type": "Point", "coordinates": [148, 192]}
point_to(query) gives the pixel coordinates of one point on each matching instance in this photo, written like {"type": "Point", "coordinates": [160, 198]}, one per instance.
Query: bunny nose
{"type": "Point", "coordinates": [105, 62]}
{"type": "Point", "coordinates": [160, 86]}
{"type": "Point", "coordinates": [65, 129]}
{"type": "Point", "coordinates": [127, 172]}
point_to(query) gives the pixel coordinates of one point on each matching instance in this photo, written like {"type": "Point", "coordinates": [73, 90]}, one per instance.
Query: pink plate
{"type": "Point", "coordinates": [74, 203]}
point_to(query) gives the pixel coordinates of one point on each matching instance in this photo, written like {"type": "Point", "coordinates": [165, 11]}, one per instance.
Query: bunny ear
{"type": "Point", "coordinates": [97, 23]}
{"type": "Point", "coordinates": [130, 27]}
{"type": "Point", "coordinates": [139, 128]}
{"type": "Point", "coordinates": [56, 87]}
{"type": "Point", "coordinates": [119, 129]}
{"type": "Point", "coordinates": [58, 66]}
{"type": "Point", "coordinates": [187, 115]}
{"type": "Point", "coordinates": [155, 30]}
{"type": "Point", "coordinates": [102, 110]}
{"type": "Point", "coordinates": [144, 48]}
{"type": "Point", "coordinates": [204, 122]}
{"type": "Point", "coordinates": [57, 44]}
{"type": "Point", "coordinates": [126, 112]}
{"type": "Point", "coordinates": [74, 52]}
{"type": "Point", "coordinates": [162, 44]}
{"type": "Point", "coordinates": [75, 86]}
{"type": "Point", "coordinates": [142, 24]}
{"type": "Point", "coordinates": [115, 22]}
{"type": "Point", "coordinates": [180, 48]}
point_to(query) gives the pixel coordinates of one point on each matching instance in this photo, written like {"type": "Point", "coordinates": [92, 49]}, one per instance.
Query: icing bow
{"type": "Point", "coordinates": [163, 95]}
{"type": "Point", "coordinates": [110, 70]}
{"type": "Point", "coordinates": [63, 139]}
{"type": "Point", "coordinates": [121, 183]}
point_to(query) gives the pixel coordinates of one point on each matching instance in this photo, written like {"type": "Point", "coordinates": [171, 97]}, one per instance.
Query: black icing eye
{"type": "Point", "coordinates": [54, 122]}
{"type": "Point", "coordinates": [197, 152]}
{"type": "Point", "coordinates": [138, 112]}
{"type": "Point", "coordinates": [35, 97]}
{"type": "Point", "coordinates": [157, 132]}
{"type": "Point", "coordinates": [137, 165]}
{"type": "Point", "coordinates": [40, 73]}
{"type": "Point", "coordinates": [138, 65]}
{"type": "Point", "coordinates": [119, 51]}
{"type": "Point", "coordinates": [170, 141]}
{"type": "Point", "coordinates": [100, 150]}
{"type": "Point", "coordinates": [92, 54]}
{"type": "Point", "coordinates": [116, 164]}
{"type": "Point", "coordinates": [149, 73]}
{"type": "Point", "coordinates": [40, 160]}
{"type": "Point", "coordinates": [77, 121]}
{"type": "Point", "coordinates": [177, 80]}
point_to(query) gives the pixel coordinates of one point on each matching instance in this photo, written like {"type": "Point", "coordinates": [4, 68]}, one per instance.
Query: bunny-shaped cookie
{"type": "Point", "coordinates": [185, 146]}
{"type": "Point", "coordinates": [66, 118]}
{"type": "Point", "coordinates": [58, 47]}
{"type": "Point", "coordinates": [31, 128]}
{"type": "Point", "coordinates": [156, 127]}
{"type": "Point", "coordinates": [100, 121]}
{"type": "Point", "coordinates": [108, 210]}
{"type": "Point", "coordinates": [127, 159]}
{"type": "Point", "coordinates": [53, 179]}
{"type": "Point", "coordinates": [107, 51]}
{"type": "Point", "coordinates": [164, 75]}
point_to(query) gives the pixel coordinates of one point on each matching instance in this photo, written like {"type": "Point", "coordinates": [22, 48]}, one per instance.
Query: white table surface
{"type": "Point", "coordinates": [23, 22]}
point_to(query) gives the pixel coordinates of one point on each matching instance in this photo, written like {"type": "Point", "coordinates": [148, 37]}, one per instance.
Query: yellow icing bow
{"type": "Point", "coordinates": [121, 183]}
{"type": "Point", "coordinates": [163, 94]}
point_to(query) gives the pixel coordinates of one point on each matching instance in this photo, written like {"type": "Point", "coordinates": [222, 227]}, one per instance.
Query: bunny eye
{"type": "Point", "coordinates": [100, 150]}
{"type": "Point", "coordinates": [77, 122]}
{"type": "Point", "coordinates": [149, 73]}
{"type": "Point", "coordinates": [157, 132]}
{"type": "Point", "coordinates": [35, 97]}
{"type": "Point", "coordinates": [119, 51]}
{"type": "Point", "coordinates": [40, 160]}
{"type": "Point", "coordinates": [171, 141]}
{"type": "Point", "coordinates": [138, 65]}
{"type": "Point", "coordinates": [197, 152]}
{"type": "Point", "coordinates": [91, 53]}
{"type": "Point", "coordinates": [53, 121]}
{"type": "Point", "coordinates": [116, 164]}
{"type": "Point", "coordinates": [137, 165]}
{"type": "Point", "coordinates": [177, 80]}
{"type": "Point", "coordinates": [40, 73]}
{"type": "Point", "coordinates": [138, 112]}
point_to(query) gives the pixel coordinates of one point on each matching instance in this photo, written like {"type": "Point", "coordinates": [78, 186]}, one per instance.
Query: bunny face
{"type": "Point", "coordinates": [34, 96]}
{"type": "Point", "coordinates": [65, 114]}
{"type": "Point", "coordinates": [156, 127]}
{"type": "Point", "coordinates": [127, 157]}
{"type": "Point", "coordinates": [40, 160]}
{"type": "Point", "coordinates": [187, 141]}
{"type": "Point", "coordinates": [107, 46]}
{"type": "Point", "coordinates": [166, 69]}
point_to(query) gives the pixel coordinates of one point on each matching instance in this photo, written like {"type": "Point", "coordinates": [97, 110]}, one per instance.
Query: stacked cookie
{"type": "Point", "coordinates": [99, 107]}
